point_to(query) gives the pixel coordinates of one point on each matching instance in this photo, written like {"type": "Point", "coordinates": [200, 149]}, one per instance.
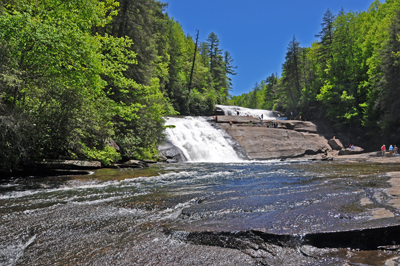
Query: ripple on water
{"type": "Point", "coordinates": [88, 220]}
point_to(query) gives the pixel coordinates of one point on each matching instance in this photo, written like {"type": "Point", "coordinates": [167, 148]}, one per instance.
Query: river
{"type": "Point", "coordinates": [210, 210]}
{"type": "Point", "coordinates": [245, 213]}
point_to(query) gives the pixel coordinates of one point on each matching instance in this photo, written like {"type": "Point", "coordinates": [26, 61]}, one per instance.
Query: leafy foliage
{"type": "Point", "coordinates": [77, 73]}
{"type": "Point", "coordinates": [349, 76]}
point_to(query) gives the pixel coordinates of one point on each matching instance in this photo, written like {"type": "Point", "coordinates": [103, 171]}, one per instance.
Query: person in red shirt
{"type": "Point", "coordinates": [383, 149]}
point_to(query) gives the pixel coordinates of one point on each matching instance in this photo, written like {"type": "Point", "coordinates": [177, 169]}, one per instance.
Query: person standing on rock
{"type": "Point", "coordinates": [391, 150]}
{"type": "Point", "coordinates": [383, 149]}
{"type": "Point", "coordinates": [395, 150]}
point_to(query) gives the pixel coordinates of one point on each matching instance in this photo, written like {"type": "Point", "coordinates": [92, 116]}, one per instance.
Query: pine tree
{"type": "Point", "coordinates": [213, 50]}
{"type": "Point", "coordinates": [229, 68]}
{"type": "Point", "coordinates": [268, 96]}
{"type": "Point", "coordinates": [326, 37]}
{"type": "Point", "coordinates": [291, 73]}
{"type": "Point", "coordinates": [390, 80]}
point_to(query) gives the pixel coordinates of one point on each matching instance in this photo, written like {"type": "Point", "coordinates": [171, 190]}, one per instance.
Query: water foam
{"type": "Point", "coordinates": [200, 141]}
{"type": "Point", "coordinates": [243, 111]}
{"type": "Point", "coordinates": [12, 253]}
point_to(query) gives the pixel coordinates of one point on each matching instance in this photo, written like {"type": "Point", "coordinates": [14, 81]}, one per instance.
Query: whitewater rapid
{"type": "Point", "coordinates": [243, 111]}
{"type": "Point", "coordinates": [200, 141]}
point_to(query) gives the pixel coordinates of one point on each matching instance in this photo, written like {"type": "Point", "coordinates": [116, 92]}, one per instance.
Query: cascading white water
{"type": "Point", "coordinates": [199, 140]}
{"type": "Point", "coordinates": [243, 111]}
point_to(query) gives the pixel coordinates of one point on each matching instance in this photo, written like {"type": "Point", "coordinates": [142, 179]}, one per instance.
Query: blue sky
{"type": "Point", "coordinates": [257, 32]}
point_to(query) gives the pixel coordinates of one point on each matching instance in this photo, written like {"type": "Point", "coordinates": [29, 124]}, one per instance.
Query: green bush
{"type": "Point", "coordinates": [106, 156]}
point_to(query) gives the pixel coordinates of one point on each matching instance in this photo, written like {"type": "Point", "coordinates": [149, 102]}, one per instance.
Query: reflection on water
{"type": "Point", "coordinates": [121, 216]}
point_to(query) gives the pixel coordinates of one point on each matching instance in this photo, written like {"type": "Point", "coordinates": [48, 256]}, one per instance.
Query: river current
{"type": "Point", "coordinates": [242, 213]}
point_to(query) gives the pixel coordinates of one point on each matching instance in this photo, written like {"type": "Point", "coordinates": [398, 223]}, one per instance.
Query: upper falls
{"type": "Point", "coordinates": [243, 111]}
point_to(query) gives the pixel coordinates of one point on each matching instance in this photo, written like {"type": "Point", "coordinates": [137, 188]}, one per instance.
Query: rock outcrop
{"type": "Point", "coordinates": [349, 151]}
{"type": "Point", "coordinates": [289, 140]}
{"type": "Point", "coordinates": [68, 164]}
{"type": "Point", "coordinates": [336, 144]}
{"type": "Point", "coordinates": [172, 153]}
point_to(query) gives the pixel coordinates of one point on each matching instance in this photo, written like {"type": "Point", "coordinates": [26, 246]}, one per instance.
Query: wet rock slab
{"type": "Point", "coordinates": [347, 219]}
{"type": "Point", "coordinates": [310, 213]}
{"type": "Point", "coordinates": [269, 143]}
{"type": "Point", "coordinates": [350, 221]}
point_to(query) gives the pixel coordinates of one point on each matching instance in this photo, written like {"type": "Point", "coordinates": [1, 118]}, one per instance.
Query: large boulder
{"type": "Point", "coordinates": [336, 144]}
{"type": "Point", "coordinates": [111, 143]}
{"type": "Point", "coordinates": [271, 143]}
{"type": "Point", "coordinates": [171, 152]}
{"type": "Point", "coordinates": [134, 164]}
{"type": "Point", "coordinates": [348, 151]}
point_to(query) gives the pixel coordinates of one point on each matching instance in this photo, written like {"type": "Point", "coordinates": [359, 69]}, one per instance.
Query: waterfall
{"type": "Point", "coordinates": [200, 141]}
{"type": "Point", "coordinates": [243, 111]}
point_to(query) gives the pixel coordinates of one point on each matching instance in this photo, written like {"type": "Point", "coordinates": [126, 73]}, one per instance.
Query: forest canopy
{"type": "Point", "coordinates": [349, 76]}
{"type": "Point", "coordinates": [93, 79]}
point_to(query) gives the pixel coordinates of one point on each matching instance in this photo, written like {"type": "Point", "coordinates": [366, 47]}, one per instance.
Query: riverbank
{"type": "Point", "coordinates": [370, 157]}
{"type": "Point", "coordinates": [69, 167]}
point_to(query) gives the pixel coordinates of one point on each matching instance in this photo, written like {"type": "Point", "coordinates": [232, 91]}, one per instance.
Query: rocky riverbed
{"type": "Point", "coordinates": [314, 208]}
{"type": "Point", "coordinates": [292, 212]}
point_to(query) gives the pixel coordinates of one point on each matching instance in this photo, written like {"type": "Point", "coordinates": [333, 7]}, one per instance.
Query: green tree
{"type": "Point", "coordinates": [229, 70]}
{"type": "Point", "coordinates": [291, 75]}
{"type": "Point", "coordinates": [268, 91]}
{"type": "Point", "coordinates": [65, 80]}
{"type": "Point", "coordinates": [389, 100]}
{"type": "Point", "coordinates": [326, 38]}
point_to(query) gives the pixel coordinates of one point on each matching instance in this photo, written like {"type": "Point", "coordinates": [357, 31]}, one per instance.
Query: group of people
{"type": "Point", "coordinates": [272, 124]}
{"type": "Point", "coordinates": [392, 150]}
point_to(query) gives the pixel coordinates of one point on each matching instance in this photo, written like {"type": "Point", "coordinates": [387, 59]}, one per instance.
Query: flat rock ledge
{"type": "Point", "coordinates": [275, 139]}
{"type": "Point", "coordinates": [67, 164]}
{"type": "Point", "coordinates": [133, 164]}
{"type": "Point", "coordinates": [49, 167]}
{"type": "Point", "coordinates": [296, 125]}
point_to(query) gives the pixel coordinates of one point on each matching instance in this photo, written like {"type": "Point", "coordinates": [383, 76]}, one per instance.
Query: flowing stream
{"type": "Point", "coordinates": [243, 111]}
{"type": "Point", "coordinates": [228, 212]}
{"type": "Point", "coordinates": [201, 141]}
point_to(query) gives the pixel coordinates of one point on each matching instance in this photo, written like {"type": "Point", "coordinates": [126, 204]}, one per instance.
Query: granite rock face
{"type": "Point", "coordinates": [172, 153]}
{"type": "Point", "coordinates": [300, 126]}
{"type": "Point", "coordinates": [261, 142]}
